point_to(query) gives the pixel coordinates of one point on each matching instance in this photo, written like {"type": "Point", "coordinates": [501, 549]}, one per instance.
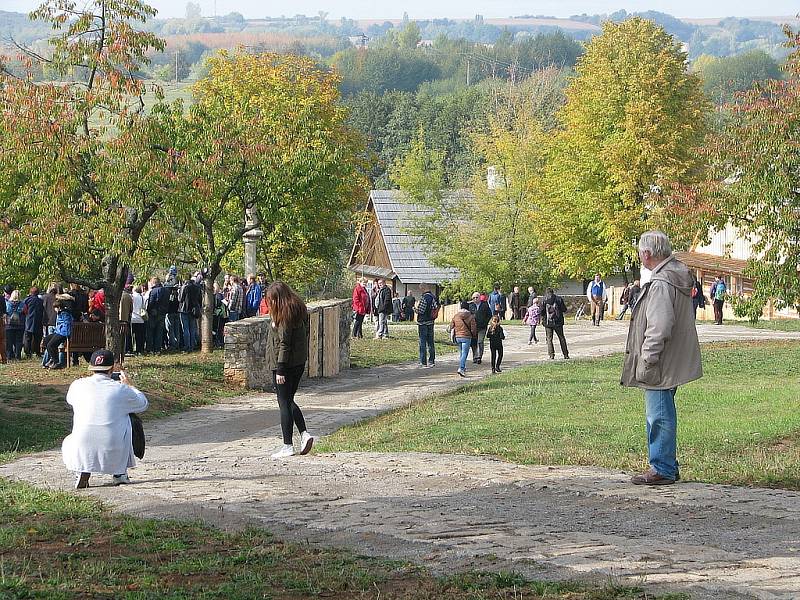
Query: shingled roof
{"type": "Point", "coordinates": [407, 256]}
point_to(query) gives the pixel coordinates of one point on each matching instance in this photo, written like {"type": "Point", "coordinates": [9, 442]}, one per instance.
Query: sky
{"type": "Point", "coordinates": [423, 9]}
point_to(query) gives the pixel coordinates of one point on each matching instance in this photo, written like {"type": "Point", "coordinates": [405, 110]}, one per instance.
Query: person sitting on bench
{"type": "Point", "coordinates": [62, 332]}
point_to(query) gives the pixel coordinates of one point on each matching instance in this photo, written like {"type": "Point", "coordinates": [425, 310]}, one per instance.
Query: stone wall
{"type": "Point", "coordinates": [247, 340]}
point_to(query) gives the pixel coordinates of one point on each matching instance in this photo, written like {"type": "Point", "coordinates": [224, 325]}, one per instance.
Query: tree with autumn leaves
{"type": "Point", "coordinates": [80, 174]}
{"type": "Point", "coordinates": [264, 147]}
{"type": "Point", "coordinates": [92, 186]}
{"type": "Point", "coordinates": [754, 185]}
{"type": "Point", "coordinates": [631, 130]}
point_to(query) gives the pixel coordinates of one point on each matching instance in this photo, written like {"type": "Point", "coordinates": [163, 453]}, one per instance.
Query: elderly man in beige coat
{"type": "Point", "coordinates": [662, 352]}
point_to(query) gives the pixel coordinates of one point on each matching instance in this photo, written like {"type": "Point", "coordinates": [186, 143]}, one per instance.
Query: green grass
{"type": "Point", "coordinates": [59, 545]}
{"type": "Point", "coordinates": [402, 346]}
{"type": "Point", "coordinates": [773, 325]}
{"type": "Point", "coordinates": [739, 424]}
{"type": "Point", "coordinates": [35, 416]}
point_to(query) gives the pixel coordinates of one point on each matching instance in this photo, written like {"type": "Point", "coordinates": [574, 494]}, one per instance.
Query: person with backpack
{"type": "Point", "coordinates": [554, 311]}
{"type": "Point", "coordinates": [15, 326]}
{"type": "Point", "coordinates": [533, 317]}
{"type": "Point", "coordinates": [698, 297]}
{"type": "Point", "coordinates": [718, 292]}
{"type": "Point", "coordinates": [496, 336]}
{"type": "Point", "coordinates": [597, 294]}
{"type": "Point", "coordinates": [427, 313]}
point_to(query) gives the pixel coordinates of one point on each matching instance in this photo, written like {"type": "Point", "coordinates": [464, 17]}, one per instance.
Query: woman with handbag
{"type": "Point", "coordinates": [287, 353]}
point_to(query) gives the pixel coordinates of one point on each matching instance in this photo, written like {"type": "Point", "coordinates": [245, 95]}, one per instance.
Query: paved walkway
{"type": "Point", "coordinates": [457, 512]}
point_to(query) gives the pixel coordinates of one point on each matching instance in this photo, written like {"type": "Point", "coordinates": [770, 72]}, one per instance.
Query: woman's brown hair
{"type": "Point", "coordinates": [285, 306]}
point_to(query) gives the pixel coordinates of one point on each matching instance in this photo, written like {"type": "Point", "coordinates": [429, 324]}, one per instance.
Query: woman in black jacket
{"type": "Point", "coordinates": [287, 356]}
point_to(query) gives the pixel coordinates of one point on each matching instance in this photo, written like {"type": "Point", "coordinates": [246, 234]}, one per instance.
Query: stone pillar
{"type": "Point", "coordinates": [251, 244]}
{"type": "Point", "coordinates": [250, 253]}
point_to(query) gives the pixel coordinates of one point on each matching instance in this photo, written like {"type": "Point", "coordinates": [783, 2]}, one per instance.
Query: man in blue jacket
{"type": "Point", "coordinates": [253, 297]}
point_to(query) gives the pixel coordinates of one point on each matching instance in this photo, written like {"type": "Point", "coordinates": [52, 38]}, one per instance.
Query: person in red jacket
{"type": "Point", "coordinates": [361, 306]}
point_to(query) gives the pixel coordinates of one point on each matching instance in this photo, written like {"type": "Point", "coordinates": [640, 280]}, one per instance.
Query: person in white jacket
{"type": "Point", "coordinates": [597, 295]}
{"type": "Point", "coordinates": [101, 440]}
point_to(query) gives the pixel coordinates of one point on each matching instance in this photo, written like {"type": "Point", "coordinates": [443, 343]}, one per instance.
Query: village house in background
{"type": "Point", "coordinates": [384, 248]}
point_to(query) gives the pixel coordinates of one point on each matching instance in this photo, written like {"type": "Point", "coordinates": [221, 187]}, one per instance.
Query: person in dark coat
{"type": "Point", "coordinates": [383, 308]}
{"type": "Point", "coordinates": [516, 304]}
{"type": "Point", "coordinates": [49, 306]}
{"type": "Point", "coordinates": [287, 353]}
{"type": "Point", "coordinates": [189, 309]}
{"type": "Point", "coordinates": [553, 313]}
{"type": "Point", "coordinates": [409, 306]}
{"type": "Point", "coordinates": [698, 297]}
{"type": "Point", "coordinates": [479, 307]}
{"type": "Point", "coordinates": [34, 318]}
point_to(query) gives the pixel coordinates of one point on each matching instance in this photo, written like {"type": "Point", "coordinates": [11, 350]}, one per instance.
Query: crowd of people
{"type": "Point", "coordinates": [662, 348]}
{"type": "Point", "coordinates": [156, 315]}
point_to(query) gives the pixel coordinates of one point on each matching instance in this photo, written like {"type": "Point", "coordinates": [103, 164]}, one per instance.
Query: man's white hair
{"type": "Point", "coordinates": [656, 243]}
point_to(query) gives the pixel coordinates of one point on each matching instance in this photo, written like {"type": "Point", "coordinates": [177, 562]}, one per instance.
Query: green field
{"type": "Point", "coordinates": [740, 424]}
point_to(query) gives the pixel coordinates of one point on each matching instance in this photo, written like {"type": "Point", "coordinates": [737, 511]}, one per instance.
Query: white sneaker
{"type": "Point", "coordinates": [286, 451]}
{"type": "Point", "coordinates": [306, 441]}
{"type": "Point", "coordinates": [120, 479]}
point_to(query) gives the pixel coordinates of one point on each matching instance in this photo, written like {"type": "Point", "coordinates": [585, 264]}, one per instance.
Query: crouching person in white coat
{"type": "Point", "coordinates": [101, 438]}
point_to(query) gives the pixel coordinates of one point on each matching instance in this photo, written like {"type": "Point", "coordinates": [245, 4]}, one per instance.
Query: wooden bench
{"type": "Point", "coordinates": [86, 337]}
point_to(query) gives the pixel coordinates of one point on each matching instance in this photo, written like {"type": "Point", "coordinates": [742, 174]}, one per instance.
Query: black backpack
{"type": "Point", "coordinates": [552, 313]}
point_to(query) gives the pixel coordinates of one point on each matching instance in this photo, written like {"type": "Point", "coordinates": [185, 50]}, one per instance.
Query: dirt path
{"type": "Point", "coordinates": [455, 511]}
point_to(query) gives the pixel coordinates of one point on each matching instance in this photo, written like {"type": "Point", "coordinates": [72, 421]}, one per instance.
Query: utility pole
{"type": "Point", "coordinates": [467, 72]}
{"type": "Point", "coordinates": [176, 65]}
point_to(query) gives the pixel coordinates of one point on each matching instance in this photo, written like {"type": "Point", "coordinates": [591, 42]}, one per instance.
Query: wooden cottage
{"type": "Point", "coordinates": [384, 248]}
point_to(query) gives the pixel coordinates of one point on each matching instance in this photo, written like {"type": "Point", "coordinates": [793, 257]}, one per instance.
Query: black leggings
{"type": "Point", "coordinates": [532, 337]}
{"type": "Point", "coordinates": [358, 325]}
{"type": "Point", "coordinates": [290, 412]}
{"type": "Point", "coordinates": [497, 356]}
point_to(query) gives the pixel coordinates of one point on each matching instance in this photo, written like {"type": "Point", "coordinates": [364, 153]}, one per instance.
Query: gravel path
{"type": "Point", "coordinates": [458, 512]}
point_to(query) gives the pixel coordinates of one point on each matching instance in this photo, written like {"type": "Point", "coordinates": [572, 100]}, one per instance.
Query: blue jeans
{"type": "Point", "coordinates": [233, 315]}
{"type": "Point", "coordinates": [189, 328]}
{"type": "Point", "coordinates": [466, 344]}
{"type": "Point", "coordinates": [662, 431]}
{"type": "Point", "coordinates": [426, 344]}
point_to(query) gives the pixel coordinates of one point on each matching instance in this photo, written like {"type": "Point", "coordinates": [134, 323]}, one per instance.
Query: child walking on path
{"type": "Point", "coordinates": [533, 317]}
{"type": "Point", "coordinates": [496, 336]}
